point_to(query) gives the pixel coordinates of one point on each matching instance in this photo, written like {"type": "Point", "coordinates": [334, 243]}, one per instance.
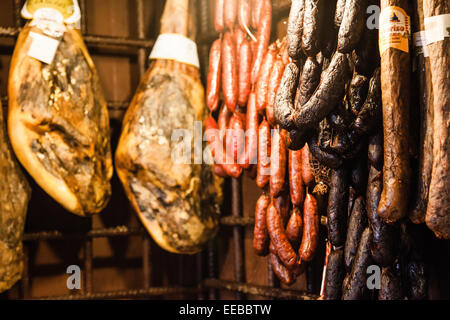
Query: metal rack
{"type": "Point", "coordinates": [207, 282]}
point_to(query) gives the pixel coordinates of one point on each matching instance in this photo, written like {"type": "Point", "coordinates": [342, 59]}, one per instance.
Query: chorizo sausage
{"type": "Point", "coordinates": [264, 152]}
{"type": "Point", "coordinates": [229, 72]}
{"type": "Point", "coordinates": [307, 175]}
{"type": "Point", "coordinates": [244, 14]}
{"type": "Point", "coordinates": [278, 162]}
{"type": "Point", "coordinates": [280, 270]}
{"type": "Point", "coordinates": [251, 135]}
{"type": "Point", "coordinates": [245, 66]}
{"type": "Point", "coordinates": [294, 228]}
{"type": "Point", "coordinates": [310, 229]}
{"type": "Point", "coordinates": [260, 233]}
{"type": "Point", "coordinates": [263, 38]}
{"type": "Point", "coordinates": [214, 75]}
{"type": "Point", "coordinates": [218, 15]}
{"type": "Point", "coordinates": [229, 13]}
{"type": "Point", "coordinates": [279, 239]}
{"type": "Point", "coordinates": [274, 83]}
{"type": "Point", "coordinates": [328, 159]}
{"type": "Point", "coordinates": [262, 85]}
{"type": "Point", "coordinates": [295, 178]}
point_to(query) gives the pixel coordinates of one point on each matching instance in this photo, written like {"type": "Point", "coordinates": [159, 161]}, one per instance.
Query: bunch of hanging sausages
{"type": "Point", "coordinates": [245, 72]}
{"type": "Point", "coordinates": [325, 95]}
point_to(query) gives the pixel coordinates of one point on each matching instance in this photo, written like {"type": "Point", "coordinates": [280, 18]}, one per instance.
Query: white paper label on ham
{"type": "Point", "coordinates": [171, 46]}
{"type": "Point", "coordinates": [43, 48]}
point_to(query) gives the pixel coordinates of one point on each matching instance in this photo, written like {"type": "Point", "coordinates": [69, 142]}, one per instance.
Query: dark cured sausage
{"type": "Point", "coordinates": [295, 178]}
{"type": "Point", "coordinates": [356, 286]}
{"type": "Point", "coordinates": [376, 150]}
{"type": "Point", "coordinates": [260, 233]}
{"type": "Point", "coordinates": [338, 206]}
{"type": "Point", "coordinates": [328, 159]}
{"type": "Point", "coordinates": [358, 92]}
{"type": "Point", "coordinates": [229, 71]}
{"type": "Point", "coordinates": [284, 101]}
{"type": "Point", "coordinates": [295, 29]}
{"type": "Point", "coordinates": [245, 67]}
{"type": "Point", "coordinates": [334, 276]}
{"type": "Point", "coordinates": [263, 38]}
{"type": "Point", "coordinates": [329, 92]}
{"type": "Point", "coordinates": [312, 27]}
{"type": "Point", "coordinates": [370, 114]}
{"type": "Point", "coordinates": [396, 90]}
{"type": "Point", "coordinates": [310, 229]}
{"type": "Point", "coordinates": [339, 14]}
{"type": "Point", "coordinates": [438, 210]}
{"type": "Point", "coordinates": [264, 152]}
{"type": "Point", "coordinates": [309, 80]}
{"type": "Point", "coordinates": [383, 235]}
{"type": "Point", "coordinates": [352, 26]}
{"type": "Point", "coordinates": [357, 224]}
{"type": "Point", "coordinates": [391, 285]}
{"type": "Point", "coordinates": [214, 75]}
{"type": "Point", "coordinates": [278, 237]}
{"type": "Point", "coordinates": [278, 163]}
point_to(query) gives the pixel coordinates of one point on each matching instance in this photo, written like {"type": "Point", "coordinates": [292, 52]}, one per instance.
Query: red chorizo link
{"type": "Point", "coordinates": [229, 72]}
{"type": "Point", "coordinates": [295, 178]}
{"type": "Point", "coordinates": [282, 203]}
{"type": "Point", "coordinates": [282, 273]}
{"type": "Point", "coordinates": [257, 8]}
{"type": "Point", "coordinates": [260, 233]}
{"type": "Point", "coordinates": [250, 155]}
{"type": "Point", "coordinates": [279, 239]}
{"type": "Point", "coordinates": [307, 175]}
{"type": "Point", "coordinates": [219, 171]}
{"type": "Point", "coordinates": [310, 229]}
{"type": "Point", "coordinates": [264, 152]}
{"type": "Point", "coordinates": [274, 82]}
{"type": "Point", "coordinates": [229, 13]}
{"type": "Point", "coordinates": [224, 118]}
{"type": "Point", "coordinates": [218, 16]}
{"type": "Point", "coordinates": [262, 85]}
{"type": "Point", "coordinates": [214, 75]}
{"type": "Point", "coordinates": [263, 38]}
{"type": "Point", "coordinates": [244, 14]}
{"type": "Point", "coordinates": [235, 137]}
{"type": "Point", "coordinates": [245, 69]}
{"type": "Point", "coordinates": [294, 228]}
{"type": "Point", "coordinates": [278, 162]}
{"type": "Point", "coordinates": [239, 37]}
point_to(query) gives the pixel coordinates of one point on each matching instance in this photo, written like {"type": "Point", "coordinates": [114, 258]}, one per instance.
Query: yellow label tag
{"type": "Point", "coordinates": [65, 7]}
{"type": "Point", "coordinates": [395, 29]}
